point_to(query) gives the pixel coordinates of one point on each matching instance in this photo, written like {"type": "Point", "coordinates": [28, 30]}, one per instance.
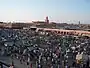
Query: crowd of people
{"type": "Point", "coordinates": [45, 49]}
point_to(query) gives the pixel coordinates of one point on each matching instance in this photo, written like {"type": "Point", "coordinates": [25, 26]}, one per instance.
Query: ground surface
{"type": "Point", "coordinates": [16, 62]}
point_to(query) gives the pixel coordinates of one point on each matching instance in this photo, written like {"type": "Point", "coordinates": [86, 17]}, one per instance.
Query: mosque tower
{"type": "Point", "coordinates": [47, 20]}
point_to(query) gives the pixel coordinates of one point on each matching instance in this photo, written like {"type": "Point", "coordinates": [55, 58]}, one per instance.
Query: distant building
{"type": "Point", "coordinates": [36, 22]}
{"type": "Point", "coordinates": [1, 22]}
{"type": "Point", "coordinates": [42, 22]}
{"type": "Point", "coordinates": [47, 20]}
{"type": "Point", "coordinates": [79, 23]}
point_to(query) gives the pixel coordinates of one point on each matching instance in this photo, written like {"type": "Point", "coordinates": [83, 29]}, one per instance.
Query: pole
{"type": "Point", "coordinates": [36, 63]}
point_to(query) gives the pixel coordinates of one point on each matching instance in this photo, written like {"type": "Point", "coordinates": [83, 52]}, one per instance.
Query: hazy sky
{"type": "Point", "coordinates": [57, 10]}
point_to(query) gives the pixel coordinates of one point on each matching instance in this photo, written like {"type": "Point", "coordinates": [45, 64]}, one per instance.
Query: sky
{"type": "Point", "coordinates": [70, 11]}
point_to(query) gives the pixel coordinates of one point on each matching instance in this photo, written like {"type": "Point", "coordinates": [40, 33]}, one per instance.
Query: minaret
{"type": "Point", "coordinates": [46, 20]}
{"type": "Point", "coordinates": [79, 23]}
